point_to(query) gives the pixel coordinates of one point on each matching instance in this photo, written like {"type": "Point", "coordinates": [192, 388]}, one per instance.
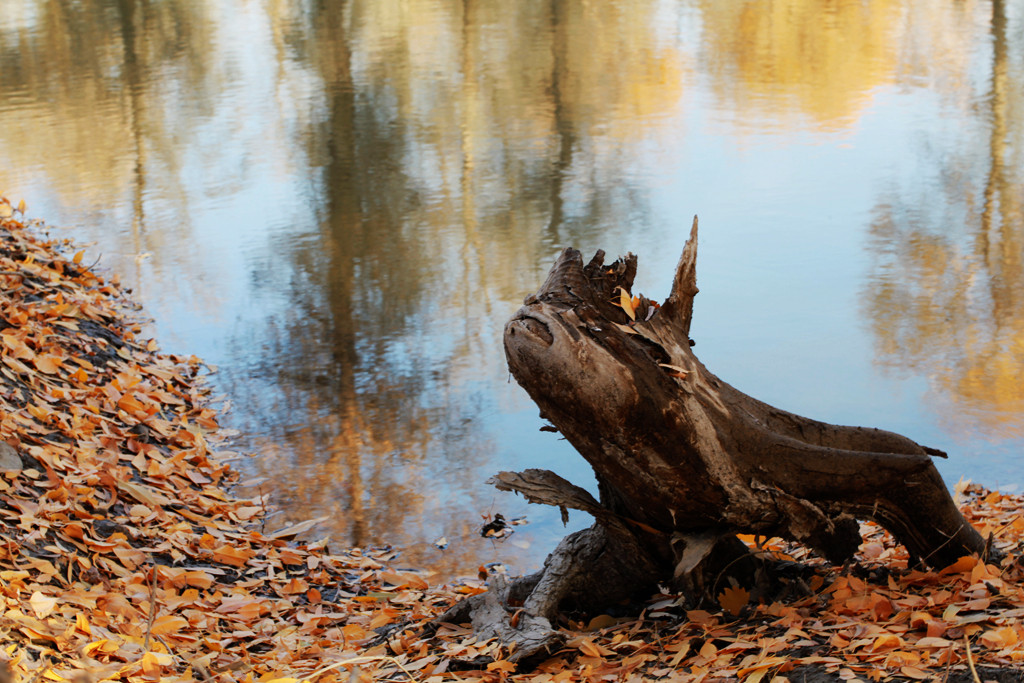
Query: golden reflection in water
{"type": "Point", "coordinates": [813, 62]}
{"type": "Point", "coordinates": [947, 297]}
{"type": "Point", "coordinates": [129, 118]}
{"type": "Point", "coordinates": [87, 83]}
{"type": "Point", "coordinates": [447, 149]}
{"type": "Point", "coordinates": [346, 459]}
{"type": "Point", "coordinates": [92, 99]}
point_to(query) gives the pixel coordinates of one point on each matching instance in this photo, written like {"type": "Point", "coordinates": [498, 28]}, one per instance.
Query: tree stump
{"type": "Point", "coordinates": [683, 460]}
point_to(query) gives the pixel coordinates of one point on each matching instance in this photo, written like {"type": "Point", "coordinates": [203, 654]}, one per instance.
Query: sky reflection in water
{"type": "Point", "coordinates": [341, 205]}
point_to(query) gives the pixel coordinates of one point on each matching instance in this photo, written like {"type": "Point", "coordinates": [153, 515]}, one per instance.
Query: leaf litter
{"type": "Point", "coordinates": [125, 557]}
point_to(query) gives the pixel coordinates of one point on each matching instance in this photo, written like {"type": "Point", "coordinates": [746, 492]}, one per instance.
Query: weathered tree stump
{"type": "Point", "coordinates": [683, 460]}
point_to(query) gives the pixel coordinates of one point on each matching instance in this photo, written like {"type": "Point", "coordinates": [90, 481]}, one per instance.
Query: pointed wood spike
{"type": "Point", "coordinates": [595, 263]}
{"type": "Point", "coordinates": [565, 278]}
{"type": "Point", "coordinates": [679, 305]}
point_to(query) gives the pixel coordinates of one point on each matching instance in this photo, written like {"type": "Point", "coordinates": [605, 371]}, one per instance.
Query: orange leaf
{"type": "Point", "coordinates": [881, 607]}
{"type": "Point", "coordinates": [931, 641]}
{"type": "Point", "coordinates": [78, 257]}
{"type": "Point", "coordinates": [764, 664]}
{"type": "Point", "coordinates": [230, 555]}
{"type": "Point", "coordinates": [590, 648]}
{"type": "Point", "coordinates": [886, 641]}
{"type": "Point", "coordinates": [102, 645]}
{"type": "Point", "coordinates": [82, 624]}
{"type": "Point", "coordinates": [168, 624]}
{"type": "Point", "coordinates": [964, 564]}
{"type": "Point", "coordinates": [914, 672]}
{"type": "Point", "coordinates": [935, 629]}
{"type": "Point", "coordinates": [354, 632]}
{"type": "Point", "coordinates": [998, 639]}
{"type": "Point", "coordinates": [733, 600]}
{"type": "Point", "coordinates": [20, 349]}
{"type": "Point", "coordinates": [250, 611]}
{"type": "Point", "coordinates": [381, 618]}
{"type": "Point", "coordinates": [980, 572]}
{"type": "Point", "coordinates": [198, 578]}
{"type": "Point", "coordinates": [42, 605]}
{"type": "Point", "coordinates": [601, 621]}
{"type": "Point", "coordinates": [502, 665]}
{"type": "Point", "coordinates": [627, 303]}
{"type": "Point", "coordinates": [404, 579]}
{"type": "Point", "coordinates": [37, 412]}
{"type": "Point", "coordinates": [130, 404]}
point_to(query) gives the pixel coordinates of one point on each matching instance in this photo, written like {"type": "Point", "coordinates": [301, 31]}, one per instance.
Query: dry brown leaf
{"type": "Point", "coordinates": [626, 302]}
{"type": "Point", "coordinates": [733, 600]}
{"type": "Point", "coordinates": [296, 529]}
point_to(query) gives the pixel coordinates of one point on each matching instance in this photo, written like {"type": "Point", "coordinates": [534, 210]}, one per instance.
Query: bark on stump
{"type": "Point", "coordinates": [683, 460]}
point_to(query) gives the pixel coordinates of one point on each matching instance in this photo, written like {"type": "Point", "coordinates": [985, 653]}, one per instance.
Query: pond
{"type": "Point", "coordinates": [339, 205]}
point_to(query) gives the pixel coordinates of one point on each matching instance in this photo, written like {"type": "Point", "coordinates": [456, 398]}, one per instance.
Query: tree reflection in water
{"type": "Point", "coordinates": [342, 202]}
{"type": "Point", "coordinates": [946, 297]}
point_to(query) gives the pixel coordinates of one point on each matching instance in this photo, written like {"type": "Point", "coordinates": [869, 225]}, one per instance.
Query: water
{"type": "Point", "coordinates": [340, 204]}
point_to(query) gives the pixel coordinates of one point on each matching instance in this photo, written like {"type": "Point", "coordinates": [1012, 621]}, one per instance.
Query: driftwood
{"type": "Point", "coordinates": [683, 460]}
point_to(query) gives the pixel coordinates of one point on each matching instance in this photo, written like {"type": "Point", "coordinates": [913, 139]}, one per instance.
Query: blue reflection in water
{"type": "Point", "coordinates": [341, 205]}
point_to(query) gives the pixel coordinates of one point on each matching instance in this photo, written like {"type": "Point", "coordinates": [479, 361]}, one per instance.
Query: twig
{"type": "Point", "coordinates": [988, 548]}
{"type": "Point", "coordinates": [203, 673]}
{"type": "Point", "coordinates": [152, 606]}
{"type": "Point", "coordinates": [166, 646]}
{"type": "Point", "coordinates": [949, 539]}
{"type": "Point", "coordinates": [357, 660]}
{"type": "Point", "coordinates": [970, 660]}
{"type": "Point", "coordinates": [42, 671]}
{"type": "Point", "coordinates": [263, 516]}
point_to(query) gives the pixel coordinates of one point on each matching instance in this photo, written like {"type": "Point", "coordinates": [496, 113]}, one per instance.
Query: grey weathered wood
{"type": "Point", "coordinates": [687, 452]}
{"type": "Point", "coordinates": [684, 461]}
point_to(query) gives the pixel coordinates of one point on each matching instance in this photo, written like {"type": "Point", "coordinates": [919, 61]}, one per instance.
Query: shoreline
{"type": "Point", "coordinates": [122, 552]}
{"type": "Point", "coordinates": [124, 555]}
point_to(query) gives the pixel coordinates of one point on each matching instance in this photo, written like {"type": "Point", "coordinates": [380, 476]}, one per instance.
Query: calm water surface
{"type": "Point", "coordinates": [341, 203]}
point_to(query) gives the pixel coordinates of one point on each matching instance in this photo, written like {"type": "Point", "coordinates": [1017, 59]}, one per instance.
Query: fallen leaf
{"type": "Point", "coordinates": [502, 665]}
{"type": "Point", "coordinates": [914, 672]}
{"type": "Point", "coordinates": [626, 302]}
{"type": "Point", "coordinates": [999, 638]}
{"type": "Point", "coordinates": [168, 624]}
{"type": "Point", "coordinates": [733, 600]}
{"type": "Point", "coordinates": [42, 605]}
{"type": "Point", "coordinates": [965, 563]}
{"type": "Point", "coordinates": [601, 621]}
{"type": "Point", "coordinates": [675, 370]}
{"type": "Point", "coordinates": [296, 529]}
{"type": "Point", "coordinates": [886, 641]}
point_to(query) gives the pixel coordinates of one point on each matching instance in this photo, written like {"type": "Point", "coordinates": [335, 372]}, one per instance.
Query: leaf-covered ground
{"type": "Point", "coordinates": [124, 556]}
